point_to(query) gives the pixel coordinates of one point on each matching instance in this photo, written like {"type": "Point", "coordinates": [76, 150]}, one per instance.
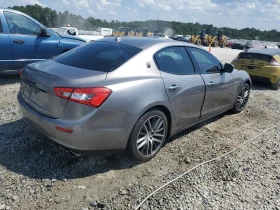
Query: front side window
{"type": "Point", "coordinates": [206, 62]}
{"type": "Point", "coordinates": [19, 24]}
{"type": "Point", "coordinates": [98, 56]}
{"type": "Point", "coordinates": [174, 60]}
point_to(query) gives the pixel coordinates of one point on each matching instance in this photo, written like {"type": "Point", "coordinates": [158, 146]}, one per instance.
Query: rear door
{"type": "Point", "coordinates": [27, 43]}
{"type": "Point", "coordinates": [6, 52]}
{"type": "Point", "coordinates": [184, 87]}
{"type": "Point", "coordinates": [219, 84]}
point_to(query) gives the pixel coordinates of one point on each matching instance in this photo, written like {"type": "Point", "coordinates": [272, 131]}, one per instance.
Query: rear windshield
{"type": "Point", "coordinates": [255, 56]}
{"type": "Point", "coordinates": [98, 56]}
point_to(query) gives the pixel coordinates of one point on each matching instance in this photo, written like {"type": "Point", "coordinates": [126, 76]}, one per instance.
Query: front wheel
{"type": "Point", "coordinates": [276, 86]}
{"type": "Point", "coordinates": [148, 136]}
{"type": "Point", "coordinates": [242, 99]}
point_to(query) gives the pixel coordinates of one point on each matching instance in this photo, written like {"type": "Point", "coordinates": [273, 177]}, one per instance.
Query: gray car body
{"type": "Point", "coordinates": [136, 88]}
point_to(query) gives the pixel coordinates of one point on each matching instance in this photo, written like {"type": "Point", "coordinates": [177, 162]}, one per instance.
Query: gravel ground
{"type": "Point", "coordinates": [35, 174]}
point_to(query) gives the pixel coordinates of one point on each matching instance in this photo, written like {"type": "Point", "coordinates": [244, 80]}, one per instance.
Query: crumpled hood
{"type": "Point", "coordinates": [71, 37]}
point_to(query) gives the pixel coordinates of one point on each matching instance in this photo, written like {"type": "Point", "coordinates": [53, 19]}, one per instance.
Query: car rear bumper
{"type": "Point", "coordinates": [267, 74]}
{"type": "Point", "coordinates": [105, 132]}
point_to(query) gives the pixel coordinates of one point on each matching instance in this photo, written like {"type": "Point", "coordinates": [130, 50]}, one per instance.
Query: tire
{"type": "Point", "coordinates": [198, 42]}
{"type": "Point", "coordinates": [223, 44]}
{"type": "Point", "coordinates": [142, 146]}
{"type": "Point", "coordinates": [215, 44]}
{"type": "Point", "coordinates": [241, 99]}
{"type": "Point", "coordinates": [276, 86]}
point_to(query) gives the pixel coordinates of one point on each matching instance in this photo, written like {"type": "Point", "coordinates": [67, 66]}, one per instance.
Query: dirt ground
{"type": "Point", "coordinates": [35, 174]}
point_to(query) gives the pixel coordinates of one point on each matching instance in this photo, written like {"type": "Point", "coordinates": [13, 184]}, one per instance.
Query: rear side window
{"type": "Point", "coordinates": [255, 56]}
{"type": "Point", "coordinates": [98, 56]}
{"type": "Point", "coordinates": [174, 60]}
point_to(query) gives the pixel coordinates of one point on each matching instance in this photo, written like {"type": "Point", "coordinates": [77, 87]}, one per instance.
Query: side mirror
{"type": "Point", "coordinates": [228, 68]}
{"type": "Point", "coordinates": [44, 32]}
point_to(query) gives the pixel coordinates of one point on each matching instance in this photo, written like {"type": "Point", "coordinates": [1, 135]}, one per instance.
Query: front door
{"type": "Point", "coordinates": [184, 87]}
{"type": "Point", "coordinates": [219, 84]}
{"type": "Point", "coordinates": [27, 43]}
{"type": "Point", "coordinates": [6, 52]}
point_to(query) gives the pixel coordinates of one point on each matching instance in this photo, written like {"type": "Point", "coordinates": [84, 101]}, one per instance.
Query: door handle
{"type": "Point", "coordinates": [18, 41]}
{"type": "Point", "coordinates": [210, 83]}
{"type": "Point", "coordinates": [173, 87]}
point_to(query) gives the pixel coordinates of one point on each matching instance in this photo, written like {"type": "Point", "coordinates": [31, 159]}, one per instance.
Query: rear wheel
{"type": "Point", "coordinates": [276, 86]}
{"type": "Point", "coordinates": [223, 44]}
{"type": "Point", "coordinates": [242, 99]}
{"type": "Point", "coordinates": [198, 42]}
{"type": "Point", "coordinates": [215, 44]}
{"type": "Point", "coordinates": [148, 136]}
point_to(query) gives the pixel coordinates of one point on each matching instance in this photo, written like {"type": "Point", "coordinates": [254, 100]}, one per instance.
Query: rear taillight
{"type": "Point", "coordinates": [273, 62]}
{"type": "Point", "coordinates": [63, 92]}
{"type": "Point", "coordinates": [20, 72]}
{"type": "Point", "coordinates": [94, 96]}
{"type": "Point", "coordinates": [236, 59]}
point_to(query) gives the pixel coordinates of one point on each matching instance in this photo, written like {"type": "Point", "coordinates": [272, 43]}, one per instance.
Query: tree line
{"type": "Point", "coordinates": [52, 18]}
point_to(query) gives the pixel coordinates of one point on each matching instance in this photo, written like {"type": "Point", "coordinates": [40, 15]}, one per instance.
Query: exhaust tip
{"type": "Point", "coordinates": [69, 151]}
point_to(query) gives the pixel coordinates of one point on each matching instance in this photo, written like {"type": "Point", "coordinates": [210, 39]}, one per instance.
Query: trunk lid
{"type": "Point", "coordinates": [39, 80]}
{"type": "Point", "coordinates": [254, 59]}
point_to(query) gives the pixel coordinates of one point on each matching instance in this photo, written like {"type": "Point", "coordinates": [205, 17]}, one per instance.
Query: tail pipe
{"type": "Point", "coordinates": [69, 151]}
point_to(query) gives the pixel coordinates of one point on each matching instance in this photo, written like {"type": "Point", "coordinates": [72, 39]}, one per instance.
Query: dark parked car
{"type": "Point", "coordinates": [239, 44]}
{"type": "Point", "coordinates": [127, 94]}
{"type": "Point", "coordinates": [183, 39]}
{"type": "Point", "coordinates": [24, 40]}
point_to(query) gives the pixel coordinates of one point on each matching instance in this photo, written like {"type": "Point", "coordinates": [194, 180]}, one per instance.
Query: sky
{"type": "Point", "coordinates": [259, 14]}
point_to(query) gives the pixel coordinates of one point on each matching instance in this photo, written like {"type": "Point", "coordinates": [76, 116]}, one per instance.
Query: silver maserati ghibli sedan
{"type": "Point", "coordinates": [127, 94]}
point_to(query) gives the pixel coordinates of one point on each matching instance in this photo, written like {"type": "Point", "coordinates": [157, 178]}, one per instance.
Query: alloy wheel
{"type": "Point", "coordinates": [242, 98]}
{"type": "Point", "coordinates": [151, 136]}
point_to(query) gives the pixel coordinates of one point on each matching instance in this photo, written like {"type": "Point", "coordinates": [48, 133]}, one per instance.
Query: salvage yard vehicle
{"type": "Point", "coordinates": [217, 39]}
{"type": "Point", "coordinates": [254, 44]}
{"type": "Point", "coordinates": [88, 36]}
{"type": "Point", "coordinates": [127, 94]}
{"type": "Point", "coordinates": [239, 44]}
{"type": "Point", "coordinates": [24, 40]}
{"type": "Point", "coordinates": [261, 64]}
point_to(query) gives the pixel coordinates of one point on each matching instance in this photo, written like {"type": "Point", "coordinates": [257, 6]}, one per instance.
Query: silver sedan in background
{"type": "Point", "coordinates": [127, 94]}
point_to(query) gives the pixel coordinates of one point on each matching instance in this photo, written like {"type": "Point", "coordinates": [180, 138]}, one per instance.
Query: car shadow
{"type": "Point", "coordinates": [260, 86]}
{"type": "Point", "coordinates": [25, 152]}
{"type": "Point", "coordinates": [196, 127]}
{"type": "Point", "coordinates": [9, 79]}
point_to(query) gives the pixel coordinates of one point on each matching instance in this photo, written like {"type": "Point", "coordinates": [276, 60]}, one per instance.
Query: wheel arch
{"type": "Point", "coordinates": [164, 109]}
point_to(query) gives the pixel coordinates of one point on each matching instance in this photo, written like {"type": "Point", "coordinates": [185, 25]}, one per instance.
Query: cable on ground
{"type": "Point", "coordinates": [203, 163]}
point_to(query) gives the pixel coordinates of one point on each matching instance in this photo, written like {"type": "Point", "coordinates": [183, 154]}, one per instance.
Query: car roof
{"type": "Point", "coordinates": [8, 9]}
{"type": "Point", "coordinates": [141, 42]}
{"type": "Point", "coordinates": [266, 51]}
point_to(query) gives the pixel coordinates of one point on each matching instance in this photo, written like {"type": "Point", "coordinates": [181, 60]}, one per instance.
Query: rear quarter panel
{"type": "Point", "coordinates": [136, 88]}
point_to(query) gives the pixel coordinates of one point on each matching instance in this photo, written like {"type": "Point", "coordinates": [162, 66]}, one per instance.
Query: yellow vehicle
{"type": "Point", "coordinates": [261, 64]}
{"type": "Point", "coordinates": [124, 31]}
{"type": "Point", "coordinates": [217, 39]}
{"type": "Point", "coordinates": [200, 38]}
